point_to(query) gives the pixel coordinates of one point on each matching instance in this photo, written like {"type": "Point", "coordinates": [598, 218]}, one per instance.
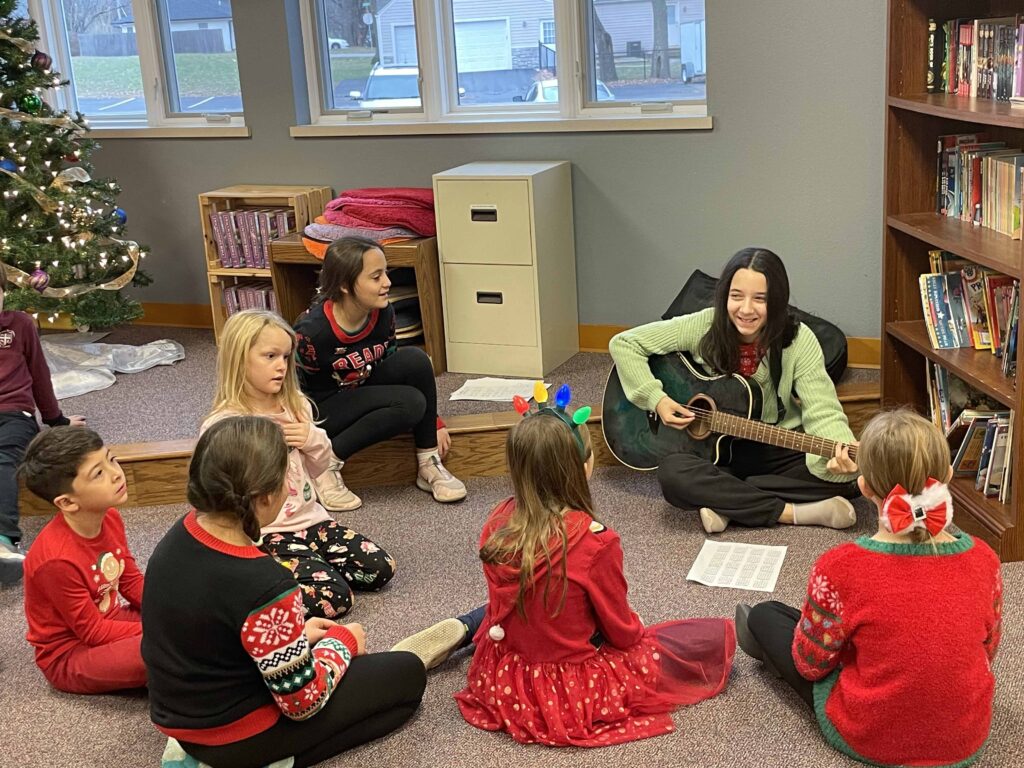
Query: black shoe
{"type": "Point", "coordinates": [746, 640]}
{"type": "Point", "coordinates": [749, 643]}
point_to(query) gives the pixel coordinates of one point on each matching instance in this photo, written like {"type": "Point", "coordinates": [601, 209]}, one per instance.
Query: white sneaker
{"type": "Point", "coordinates": [12, 563]}
{"type": "Point", "coordinates": [332, 491]}
{"type": "Point", "coordinates": [438, 481]}
{"type": "Point", "coordinates": [712, 521]}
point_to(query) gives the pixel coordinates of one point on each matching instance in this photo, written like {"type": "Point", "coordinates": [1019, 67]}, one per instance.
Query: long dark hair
{"type": "Point", "coordinates": [343, 263]}
{"type": "Point", "coordinates": [720, 346]}
{"type": "Point", "coordinates": [235, 461]}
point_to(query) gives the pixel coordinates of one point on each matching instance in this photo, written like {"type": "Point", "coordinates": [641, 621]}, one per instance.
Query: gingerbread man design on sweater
{"type": "Point", "coordinates": [107, 572]}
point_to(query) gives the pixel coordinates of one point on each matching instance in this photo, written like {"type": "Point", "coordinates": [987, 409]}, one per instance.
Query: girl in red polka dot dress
{"type": "Point", "coordinates": [561, 657]}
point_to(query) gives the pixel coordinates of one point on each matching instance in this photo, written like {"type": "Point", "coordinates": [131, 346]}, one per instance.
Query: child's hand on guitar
{"type": "Point", "coordinates": [841, 463]}
{"type": "Point", "coordinates": [672, 413]}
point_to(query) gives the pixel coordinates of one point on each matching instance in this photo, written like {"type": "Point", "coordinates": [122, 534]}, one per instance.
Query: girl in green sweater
{"type": "Point", "coordinates": [748, 327]}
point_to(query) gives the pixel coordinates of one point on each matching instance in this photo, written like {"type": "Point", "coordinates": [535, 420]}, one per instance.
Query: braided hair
{"type": "Point", "coordinates": [236, 461]}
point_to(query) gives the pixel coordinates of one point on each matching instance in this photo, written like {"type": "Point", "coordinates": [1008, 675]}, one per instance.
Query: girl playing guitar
{"type": "Point", "coordinates": [749, 331]}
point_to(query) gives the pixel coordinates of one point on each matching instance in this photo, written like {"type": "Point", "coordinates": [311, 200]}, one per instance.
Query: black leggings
{"type": "Point", "coordinates": [752, 489]}
{"type": "Point", "coordinates": [773, 625]}
{"type": "Point", "coordinates": [399, 395]}
{"type": "Point", "coordinates": [377, 694]}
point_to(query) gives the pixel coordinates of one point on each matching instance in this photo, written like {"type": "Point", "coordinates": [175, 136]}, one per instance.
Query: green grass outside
{"type": "Point", "coordinates": [634, 70]}
{"type": "Point", "coordinates": [199, 74]}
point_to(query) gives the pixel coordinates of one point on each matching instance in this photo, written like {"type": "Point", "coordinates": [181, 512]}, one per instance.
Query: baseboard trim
{"type": "Point", "coordinates": [176, 315]}
{"type": "Point", "coordinates": [862, 351]}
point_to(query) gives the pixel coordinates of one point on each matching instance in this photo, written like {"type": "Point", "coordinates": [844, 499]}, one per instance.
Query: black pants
{"type": "Point", "coordinates": [16, 432]}
{"type": "Point", "coordinates": [399, 395]}
{"type": "Point", "coordinates": [377, 694]}
{"type": "Point", "coordinates": [753, 489]}
{"type": "Point", "coordinates": [773, 625]}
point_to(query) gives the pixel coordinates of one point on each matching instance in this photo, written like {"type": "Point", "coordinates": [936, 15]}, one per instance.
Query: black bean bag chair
{"type": "Point", "coordinates": [699, 293]}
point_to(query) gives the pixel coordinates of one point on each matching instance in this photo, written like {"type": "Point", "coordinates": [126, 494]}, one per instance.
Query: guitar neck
{"type": "Point", "coordinates": [759, 432]}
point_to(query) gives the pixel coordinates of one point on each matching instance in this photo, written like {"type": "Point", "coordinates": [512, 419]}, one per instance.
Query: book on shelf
{"type": "Point", "coordinates": [979, 442]}
{"type": "Point", "coordinates": [951, 396]}
{"type": "Point", "coordinates": [249, 295]}
{"type": "Point", "coordinates": [980, 58]}
{"type": "Point", "coordinates": [242, 236]}
{"type": "Point", "coordinates": [969, 307]}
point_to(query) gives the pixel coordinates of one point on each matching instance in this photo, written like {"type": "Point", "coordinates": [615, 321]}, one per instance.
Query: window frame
{"type": "Point", "coordinates": [156, 78]}
{"type": "Point", "coordinates": [440, 110]}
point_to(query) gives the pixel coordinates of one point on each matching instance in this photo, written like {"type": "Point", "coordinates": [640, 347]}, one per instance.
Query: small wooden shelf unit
{"type": "Point", "coordinates": [308, 202]}
{"type": "Point", "coordinates": [914, 121]}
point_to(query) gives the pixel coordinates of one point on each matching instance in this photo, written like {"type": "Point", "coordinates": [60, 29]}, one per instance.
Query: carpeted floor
{"type": "Point", "coordinates": [756, 722]}
{"type": "Point", "coordinates": [169, 402]}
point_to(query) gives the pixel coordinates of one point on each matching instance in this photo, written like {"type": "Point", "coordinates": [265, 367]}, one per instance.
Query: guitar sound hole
{"type": "Point", "coordinates": [701, 426]}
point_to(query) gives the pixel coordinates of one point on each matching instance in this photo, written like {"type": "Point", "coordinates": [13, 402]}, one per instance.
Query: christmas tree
{"type": "Point", "coordinates": [61, 230]}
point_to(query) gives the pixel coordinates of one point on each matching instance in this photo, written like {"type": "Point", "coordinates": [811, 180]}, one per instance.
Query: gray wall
{"type": "Point", "coordinates": [794, 163]}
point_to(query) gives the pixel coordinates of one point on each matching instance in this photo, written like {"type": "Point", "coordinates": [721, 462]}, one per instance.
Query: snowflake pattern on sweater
{"type": "Point", "coordinates": [300, 679]}
{"type": "Point", "coordinates": [820, 634]}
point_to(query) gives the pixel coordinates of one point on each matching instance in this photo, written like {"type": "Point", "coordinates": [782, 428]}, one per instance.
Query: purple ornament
{"type": "Point", "coordinates": [39, 280]}
{"type": "Point", "coordinates": [41, 61]}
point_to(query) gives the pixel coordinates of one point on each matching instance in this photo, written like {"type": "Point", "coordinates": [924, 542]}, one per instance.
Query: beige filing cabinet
{"type": "Point", "coordinates": [508, 267]}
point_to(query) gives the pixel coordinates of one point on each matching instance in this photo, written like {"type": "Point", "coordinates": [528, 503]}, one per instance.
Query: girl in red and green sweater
{"type": "Point", "coordinates": [894, 646]}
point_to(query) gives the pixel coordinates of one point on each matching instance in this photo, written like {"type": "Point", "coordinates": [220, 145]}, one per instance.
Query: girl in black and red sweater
{"type": "Point", "coordinates": [365, 388]}
{"type": "Point", "coordinates": [226, 645]}
{"type": "Point", "coordinates": [894, 646]}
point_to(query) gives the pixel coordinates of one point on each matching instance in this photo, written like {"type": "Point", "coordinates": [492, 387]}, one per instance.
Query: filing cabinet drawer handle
{"type": "Point", "coordinates": [489, 297]}
{"type": "Point", "coordinates": [483, 213]}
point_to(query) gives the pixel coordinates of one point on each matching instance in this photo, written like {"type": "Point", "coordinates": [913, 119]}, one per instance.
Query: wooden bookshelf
{"type": "Point", "coordinates": [914, 120]}
{"type": "Point", "coordinates": [307, 202]}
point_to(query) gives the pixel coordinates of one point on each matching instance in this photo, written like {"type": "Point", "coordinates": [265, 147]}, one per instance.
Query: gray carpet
{"type": "Point", "coordinates": [169, 402]}
{"type": "Point", "coordinates": [756, 722]}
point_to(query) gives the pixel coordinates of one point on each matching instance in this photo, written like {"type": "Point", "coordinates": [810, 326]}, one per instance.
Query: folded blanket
{"type": "Point", "coordinates": [316, 237]}
{"type": "Point", "coordinates": [412, 196]}
{"type": "Point", "coordinates": [382, 208]}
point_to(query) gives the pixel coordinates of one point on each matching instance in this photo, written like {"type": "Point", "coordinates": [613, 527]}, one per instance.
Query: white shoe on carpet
{"type": "Point", "coordinates": [712, 521]}
{"type": "Point", "coordinates": [434, 644]}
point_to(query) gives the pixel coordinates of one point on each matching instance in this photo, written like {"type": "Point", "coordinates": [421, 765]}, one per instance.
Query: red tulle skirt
{"type": "Point", "coordinates": [612, 697]}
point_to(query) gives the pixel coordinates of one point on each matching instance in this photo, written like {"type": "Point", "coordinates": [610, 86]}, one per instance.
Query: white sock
{"type": "Point", "coordinates": [423, 456]}
{"type": "Point", "coordinates": [836, 512]}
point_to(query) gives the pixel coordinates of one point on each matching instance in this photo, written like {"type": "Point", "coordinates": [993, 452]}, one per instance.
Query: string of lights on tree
{"type": "Point", "coordinates": [61, 230]}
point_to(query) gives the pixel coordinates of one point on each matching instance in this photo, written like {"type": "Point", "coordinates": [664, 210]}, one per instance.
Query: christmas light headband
{"type": "Point", "coordinates": [562, 398]}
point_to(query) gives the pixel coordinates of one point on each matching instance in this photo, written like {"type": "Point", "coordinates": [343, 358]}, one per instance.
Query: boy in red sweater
{"type": "Point", "coordinates": [79, 568]}
{"type": "Point", "coordinates": [894, 646]}
{"type": "Point", "coordinates": [24, 386]}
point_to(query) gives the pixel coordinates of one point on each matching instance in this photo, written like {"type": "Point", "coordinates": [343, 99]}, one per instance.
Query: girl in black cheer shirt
{"type": "Point", "coordinates": [365, 387]}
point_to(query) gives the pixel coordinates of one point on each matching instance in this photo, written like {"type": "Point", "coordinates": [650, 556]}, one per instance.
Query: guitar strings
{"type": "Point", "coordinates": [780, 433]}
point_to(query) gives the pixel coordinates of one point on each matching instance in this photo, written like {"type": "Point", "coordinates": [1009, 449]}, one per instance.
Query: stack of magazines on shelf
{"type": "Point", "coordinates": [981, 58]}
{"type": "Point", "coordinates": [242, 236]}
{"type": "Point", "coordinates": [979, 431]}
{"type": "Point", "coordinates": [249, 295]}
{"type": "Point", "coordinates": [965, 305]}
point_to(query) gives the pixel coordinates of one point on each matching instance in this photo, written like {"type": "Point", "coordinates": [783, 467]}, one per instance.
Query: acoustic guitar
{"type": "Point", "coordinates": [724, 407]}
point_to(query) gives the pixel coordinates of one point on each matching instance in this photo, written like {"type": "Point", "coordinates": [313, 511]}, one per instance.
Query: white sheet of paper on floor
{"type": "Point", "coordinates": [738, 566]}
{"type": "Point", "coordinates": [494, 390]}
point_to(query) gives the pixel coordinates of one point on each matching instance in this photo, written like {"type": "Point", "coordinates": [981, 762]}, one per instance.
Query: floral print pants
{"type": "Point", "coordinates": [329, 561]}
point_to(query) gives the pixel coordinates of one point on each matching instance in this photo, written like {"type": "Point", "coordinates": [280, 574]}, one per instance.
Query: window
{"type": "Point", "coordinates": [109, 48]}
{"type": "Point", "coordinates": [492, 61]}
{"type": "Point", "coordinates": [547, 31]}
{"type": "Point", "coordinates": [367, 64]}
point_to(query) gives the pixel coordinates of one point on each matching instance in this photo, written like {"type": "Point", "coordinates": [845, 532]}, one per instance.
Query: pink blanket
{"type": "Point", "coordinates": [384, 207]}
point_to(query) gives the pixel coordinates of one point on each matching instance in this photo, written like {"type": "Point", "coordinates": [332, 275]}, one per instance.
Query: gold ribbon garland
{"type": "Point", "coordinates": [23, 44]}
{"type": "Point", "coordinates": [60, 122]}
{"type": "Point", "coordinates": [22, 278]}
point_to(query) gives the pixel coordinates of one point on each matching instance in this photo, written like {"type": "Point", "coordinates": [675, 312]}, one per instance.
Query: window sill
{"type": "Point", "coordinates": [171, 132]}
{"type": "Point", "coordinates": [622, 123]}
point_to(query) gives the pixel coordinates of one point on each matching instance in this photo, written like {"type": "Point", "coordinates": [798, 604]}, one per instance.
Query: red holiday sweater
{"type": "Point", "coordinates": [72, 585]}
{"type": "Point", "coordinates": [900, 639]}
